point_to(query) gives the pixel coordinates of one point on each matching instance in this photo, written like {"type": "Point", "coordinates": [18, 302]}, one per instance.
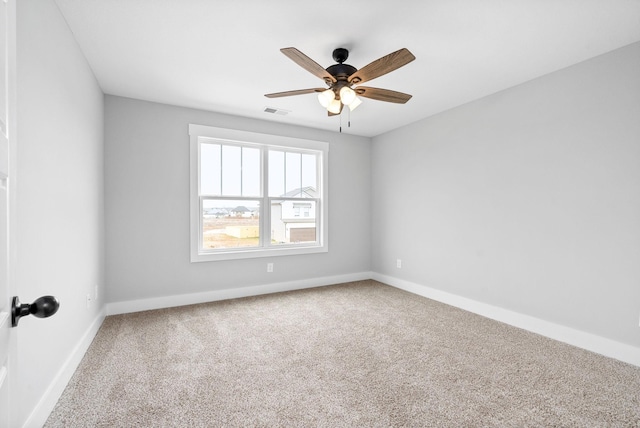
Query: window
{"type": "Point", "coordinates": [256, 195]}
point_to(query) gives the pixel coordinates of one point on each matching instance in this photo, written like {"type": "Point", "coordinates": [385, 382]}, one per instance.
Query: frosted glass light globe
{"type": "Point", "coordinates": [347, 95]}
{"type": "Point", "coordinates": [325, 97]}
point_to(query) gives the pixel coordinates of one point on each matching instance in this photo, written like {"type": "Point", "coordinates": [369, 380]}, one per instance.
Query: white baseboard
{"type": "Point", "coordinates": [45, 406]}
{"type": "Point", "coordinates": [229, 293]}
{"type": "Point", "coordinates": [600, 345]}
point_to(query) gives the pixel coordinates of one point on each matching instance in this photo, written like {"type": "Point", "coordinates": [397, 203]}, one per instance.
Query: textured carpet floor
{"type": "Point", "coordinates": [359, 354]}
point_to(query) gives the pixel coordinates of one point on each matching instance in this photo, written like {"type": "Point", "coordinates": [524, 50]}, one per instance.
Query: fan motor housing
{"type": "Point", "coordinates": [341, 71]}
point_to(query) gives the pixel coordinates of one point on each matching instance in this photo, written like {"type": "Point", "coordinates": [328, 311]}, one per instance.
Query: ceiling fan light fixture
{"type": "Point", "coordinates": [334, 106]}
{"type": "Point", "coordinates": [355, 103]}
{"type": "Point", "coordinates": [325, 98]}
{"type": "Point", "coordinates": [347, 95]}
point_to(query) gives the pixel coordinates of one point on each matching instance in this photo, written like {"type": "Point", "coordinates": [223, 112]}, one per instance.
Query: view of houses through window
{"type": "Point", "coordinates": [230, 223]}
{"type": "Point", "coordinates": [234, 207]}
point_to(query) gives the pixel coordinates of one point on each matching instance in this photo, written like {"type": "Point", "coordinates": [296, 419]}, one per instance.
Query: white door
{"type": "Point", "coordinates": [7, 139]}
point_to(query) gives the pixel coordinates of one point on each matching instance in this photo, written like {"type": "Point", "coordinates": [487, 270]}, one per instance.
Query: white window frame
{"type": "Point", "coordinates": [202, 133]}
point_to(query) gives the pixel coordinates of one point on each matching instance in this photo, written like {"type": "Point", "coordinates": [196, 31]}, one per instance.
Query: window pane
{"type": "Point", "coordinates": [276, 173]}
{"type": "Point", "coordinates": [251, 172]}
{"type": "Point", "coordinates": [291, 174]}
{"type": "Point", "coordinates": [210, 169]}
{"type": "Point", "coordinates": [309, 171]}
{"type": "Point", "coordinates": [293, 222]}
{"type": "Point", "coordinates": [293, 180]}
{"type": "Point", "coordinates": [230, 224]}
{"type": "Point", "coordinates": [231, 171]}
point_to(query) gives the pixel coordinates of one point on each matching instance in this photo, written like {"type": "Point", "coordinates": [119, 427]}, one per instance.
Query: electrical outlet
{"type": "Point", "coordinates": [399, 264]}
{"type": "Point", "coordinates": [88, 301]}
{"type": "Point", "coordinates": [269, 267]}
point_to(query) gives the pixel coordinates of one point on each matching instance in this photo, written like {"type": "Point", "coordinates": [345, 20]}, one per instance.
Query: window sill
{"type": "Point", "coordinates": [256, 253]}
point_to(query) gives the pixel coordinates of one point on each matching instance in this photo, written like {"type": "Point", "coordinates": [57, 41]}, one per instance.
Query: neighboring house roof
{"type": "Point", "coordinates": [306, 192]}
{"type": "Point", "coordinates": [241, 209]}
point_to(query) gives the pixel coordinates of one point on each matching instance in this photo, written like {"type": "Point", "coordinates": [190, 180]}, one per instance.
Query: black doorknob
{"type": "Point", "coordinates": [43, 307]}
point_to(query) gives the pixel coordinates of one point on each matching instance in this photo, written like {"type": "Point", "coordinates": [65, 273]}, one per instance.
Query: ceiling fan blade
{"type": "Point", "coordinates": [308, 64]}
{"type": "Point", "coordinates": [382, 66]}
{"type": "Point", "coordinates": [382, 94]}
{"type": "Point", "coordinates": [297, 92]}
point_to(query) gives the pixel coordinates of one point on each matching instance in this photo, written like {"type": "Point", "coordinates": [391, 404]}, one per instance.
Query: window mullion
{"type": "Point", "coordinates": [221, 166]}
{"type": "Point", "coordinates": [265, 210]}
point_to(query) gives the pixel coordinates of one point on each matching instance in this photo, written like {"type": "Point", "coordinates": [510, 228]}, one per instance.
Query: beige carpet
{"type": "Point", "coordinates": [359, 354]}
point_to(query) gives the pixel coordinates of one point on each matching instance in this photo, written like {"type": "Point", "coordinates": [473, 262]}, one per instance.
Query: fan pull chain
{"type": "Point", "coordinates": [340, 122]}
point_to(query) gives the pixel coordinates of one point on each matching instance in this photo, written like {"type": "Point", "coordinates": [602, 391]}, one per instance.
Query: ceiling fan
{"type": "Point", "coordinates": [342, 79]}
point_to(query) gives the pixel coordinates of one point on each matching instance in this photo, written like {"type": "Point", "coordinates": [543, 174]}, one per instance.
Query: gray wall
{"type": "Point", "coordinates": [527, 199]}
{"type": "Point", "coordinates": [147, 205]}
{"type": "Point", "coordinates": [59, 176]}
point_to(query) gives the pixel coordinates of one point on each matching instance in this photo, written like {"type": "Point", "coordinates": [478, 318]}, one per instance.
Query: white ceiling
{"type": "Point", "coordinates": [224, 55]}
